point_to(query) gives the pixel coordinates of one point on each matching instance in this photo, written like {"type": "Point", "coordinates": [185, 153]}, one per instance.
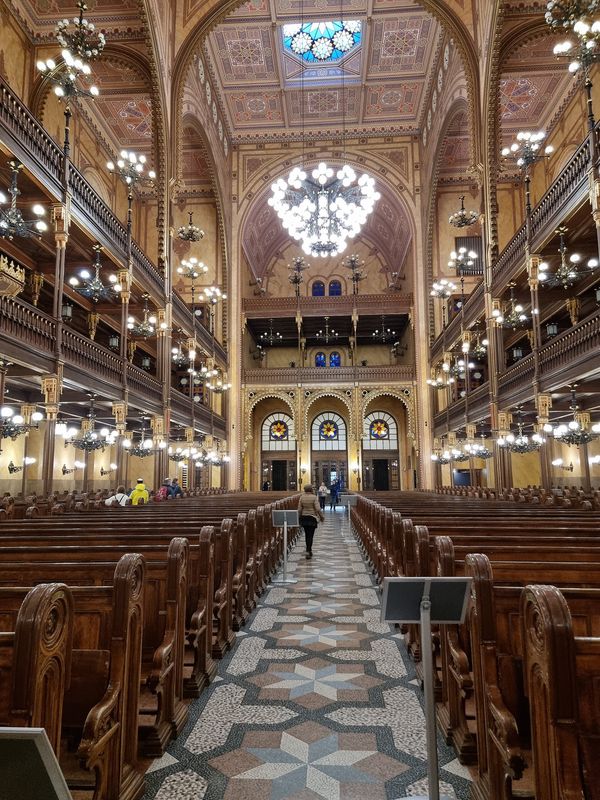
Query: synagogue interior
{"type": "Point", "coordinates": [252, 251]}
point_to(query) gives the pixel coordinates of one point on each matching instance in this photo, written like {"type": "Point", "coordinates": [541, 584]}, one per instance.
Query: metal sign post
{"type": "Point", "coordinates": [349, 500]}
{"type": "Point", "coordinates": [423, 601]}
{"type": "Point", "coordinates": [285, 519]}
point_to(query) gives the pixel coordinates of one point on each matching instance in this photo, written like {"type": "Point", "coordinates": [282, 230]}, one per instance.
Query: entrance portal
{"type": "Point", "coordinates": [329, 470]}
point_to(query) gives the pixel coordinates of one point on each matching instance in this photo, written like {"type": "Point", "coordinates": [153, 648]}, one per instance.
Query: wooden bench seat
{"type": "Point", "coordinates": [561, 674]}
{"type": "Point", "coordinates": [36, 640]}
{"type": "Point", "coordinates": [99, 737]}
{"type": "Point", "coordinates": [162, 710]}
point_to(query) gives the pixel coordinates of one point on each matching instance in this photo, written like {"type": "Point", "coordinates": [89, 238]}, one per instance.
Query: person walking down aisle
{"type": "Point", "coordinates": [334, 495]}
{"type": "Point", "coordinates": [322, 492]}
{"type": "Point", "coordinates": [310, 513]}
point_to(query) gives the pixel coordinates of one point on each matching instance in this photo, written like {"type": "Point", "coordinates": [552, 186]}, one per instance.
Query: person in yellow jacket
{"type": "Point", "coordinates": [139, 493]}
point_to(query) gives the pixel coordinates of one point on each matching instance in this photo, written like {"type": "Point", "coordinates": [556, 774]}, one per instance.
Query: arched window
{"type": "Point", "coordinates": [335, 288]}
{"type": "Point", "coordinates": [380, 431]}
{"type": "Point", "coordinates": [278, 433]}
{"type": "Point", "coordinates": [318, 289]}
{"type": "Point", "coordinates": [320, 360]}
{"type": "Point", "coordinates": [335, 359]}
{"type": "Point", "coordinates": [328, 432]}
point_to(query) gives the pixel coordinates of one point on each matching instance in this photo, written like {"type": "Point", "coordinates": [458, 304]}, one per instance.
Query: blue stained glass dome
{"type": "Point", "coordinates": [318, 42]}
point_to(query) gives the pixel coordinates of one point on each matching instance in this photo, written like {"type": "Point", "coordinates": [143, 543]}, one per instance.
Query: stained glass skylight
{"type": "Point", "coordinates": [319, 42]}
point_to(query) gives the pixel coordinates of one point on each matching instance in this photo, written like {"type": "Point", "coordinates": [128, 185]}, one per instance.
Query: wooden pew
{"type": "Point", "coordinates": [99, 740]}
{"type": "Point", "coordinates": [35, 656]}
{"type": "Point", "coordinates": [561, 672]}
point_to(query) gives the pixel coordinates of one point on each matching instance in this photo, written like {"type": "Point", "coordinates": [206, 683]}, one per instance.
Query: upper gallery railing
{"type": "Point", "coordinates": [291, 375]}
{"type": "Point", "coordinates": [41, 155]}
{"type": "Point", "coordinates": [390, 303]}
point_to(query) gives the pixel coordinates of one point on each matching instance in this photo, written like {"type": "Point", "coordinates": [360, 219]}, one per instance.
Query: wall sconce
{"type": "Point", "coordinates": [595, 460]}
{"type": "Point", "coordinates": [108, 471]}
{"type": "Point", "coordinates": [12, 468]}
{"type": "Point", "coordinates": [558, 462]}
{"type": "Point", "coordinates": [552, 329]}
{"type": "Point", "coordinates": [355, 468]}
{"type": "Point", "coordinates": [77, 465]}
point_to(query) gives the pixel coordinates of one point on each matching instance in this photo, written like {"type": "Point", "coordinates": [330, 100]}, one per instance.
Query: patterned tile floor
{"type": "Point", "coordinates": [317, 700]}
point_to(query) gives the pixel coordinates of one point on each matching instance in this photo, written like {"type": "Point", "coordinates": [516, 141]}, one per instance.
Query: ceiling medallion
{"type": "Point", "coordinates": [325, 209]}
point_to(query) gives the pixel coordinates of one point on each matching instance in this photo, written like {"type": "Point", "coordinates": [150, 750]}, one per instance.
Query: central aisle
{"type": "Point", "coordinates": [316, 700]}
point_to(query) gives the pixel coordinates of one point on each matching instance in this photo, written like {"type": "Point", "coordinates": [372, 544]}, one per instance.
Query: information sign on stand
{"type": "Point", "coordinates": [29, 769]}
{"type": "Point", "coordinates": [424, 601]}
{"type": "Point", "coordinates": [348, 500]}
{"type": "Point", "coordinates": [285, 520]}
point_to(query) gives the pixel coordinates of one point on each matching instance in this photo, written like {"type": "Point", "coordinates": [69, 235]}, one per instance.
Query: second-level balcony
{"type": "Point", "coordinates": [333, 375]}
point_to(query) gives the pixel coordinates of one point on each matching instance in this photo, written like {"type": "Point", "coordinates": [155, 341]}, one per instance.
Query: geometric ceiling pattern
{"type": "Point", "coordinates": [534, 86]}
{"type": "Point", "coordinates": [378, 86]}
{"type": "Point", "coordinates": [196, 172]}
{"type": "Point", "coordinates": [114, 17]}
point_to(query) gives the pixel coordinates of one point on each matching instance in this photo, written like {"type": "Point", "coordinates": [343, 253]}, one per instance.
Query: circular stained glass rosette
{"type": "Point", "coordinates": [328, 430]}
{"type": "Point", "coordinates": [278, 431]}
{"type": "Point", "coordinates": [322, 41]}
{"type": "Point", "coordinates": [301, 43]}
{"type": "Point", "coordinates": [379, 429]}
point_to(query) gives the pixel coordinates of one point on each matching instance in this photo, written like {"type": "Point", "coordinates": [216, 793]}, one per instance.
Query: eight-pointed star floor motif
{"type": "Point", "coordinates": [328, 764]}
{"type": "Point", "coordinates": [315, 683]}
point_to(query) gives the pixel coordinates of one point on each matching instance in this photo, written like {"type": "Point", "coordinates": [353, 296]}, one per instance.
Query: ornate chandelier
{"type": "Point", "coordinates": [218, 383]}
{"type": "Point", "coordinates": [443, 289]}
{"type": "Point", "coordinates": [190, 232]}
{"type": "Point", "coordinates": [462, 260]}
{"type": "Point", "coordinates": [578, 430]}
{"type": "Point", "coordinates": [80, 45]}
{"type": "Point", "coordinates": [296, 269]}
{"type": "Point", "coordinates": [145, 446]}
{"type": "Point", "coordinates": [514, 316]}
{"type": "Point", "coordinates": [383, 334]}
{"type": "Point", "coordinates": [521, 443]}
{"type": "Point", "coordinates": [325, 209]}
{"type": "Point", "coordinates": [463, 218]}
{"type": "Point", "coordinates": [12, 222]}
{"type": "Point", "coordinates": [270, 337]}
{"type": "Point", "coordinates": [145, 328]}
{"type": "Point", "coordinates": [357, 268]}
{"type": "Point", "coordinates": [13, 425]}
{"type": "Point", "coordinates": [572, 14]}
{"type": "Point", "coordinates": [569, 271]}
{"type": "Point", "coordinates": [526, 150]}
{"type": "Point", "coordinates": [87, 439]}
{"type": "Point", "coordinates": [442, 381]}
{"type": "Point", "coordinates": [327, 335]}
{"type": "Point", "coordinates": [92, 286]}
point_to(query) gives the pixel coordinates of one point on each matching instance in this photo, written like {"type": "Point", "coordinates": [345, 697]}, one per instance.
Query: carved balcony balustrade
{"type": "Point", "coordinates": [338, 375]}
{"type": "Point", "coordinates": [342, 305]}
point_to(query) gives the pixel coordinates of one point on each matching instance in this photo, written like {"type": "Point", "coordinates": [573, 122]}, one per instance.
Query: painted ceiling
{"type": "Point", "coordinates": [378, 86]}
{"type": "Point", "coordinates": [534, 87]}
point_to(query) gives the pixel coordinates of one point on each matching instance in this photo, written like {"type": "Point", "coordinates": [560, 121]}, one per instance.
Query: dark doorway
{"type": "Point", "coordinates": [381, 474]}
{"type": "Point", "coordinates": [279, 476]}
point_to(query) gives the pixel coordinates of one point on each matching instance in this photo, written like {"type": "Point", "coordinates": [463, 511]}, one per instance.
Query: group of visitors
{"type": "Point", "coordinates": [333, 492]}
{"type": "Point", "coordinates": [140, 495]}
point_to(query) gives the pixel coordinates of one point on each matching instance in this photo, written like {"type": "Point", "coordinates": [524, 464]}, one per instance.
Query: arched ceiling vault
{"type": "Point", "coordinates": [367, 115]}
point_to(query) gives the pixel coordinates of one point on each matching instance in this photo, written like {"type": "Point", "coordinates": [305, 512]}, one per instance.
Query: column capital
{"type": "Point", "coordinates": [51, 388]}
{"type": "Point", "coordinates": [543, 404]}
